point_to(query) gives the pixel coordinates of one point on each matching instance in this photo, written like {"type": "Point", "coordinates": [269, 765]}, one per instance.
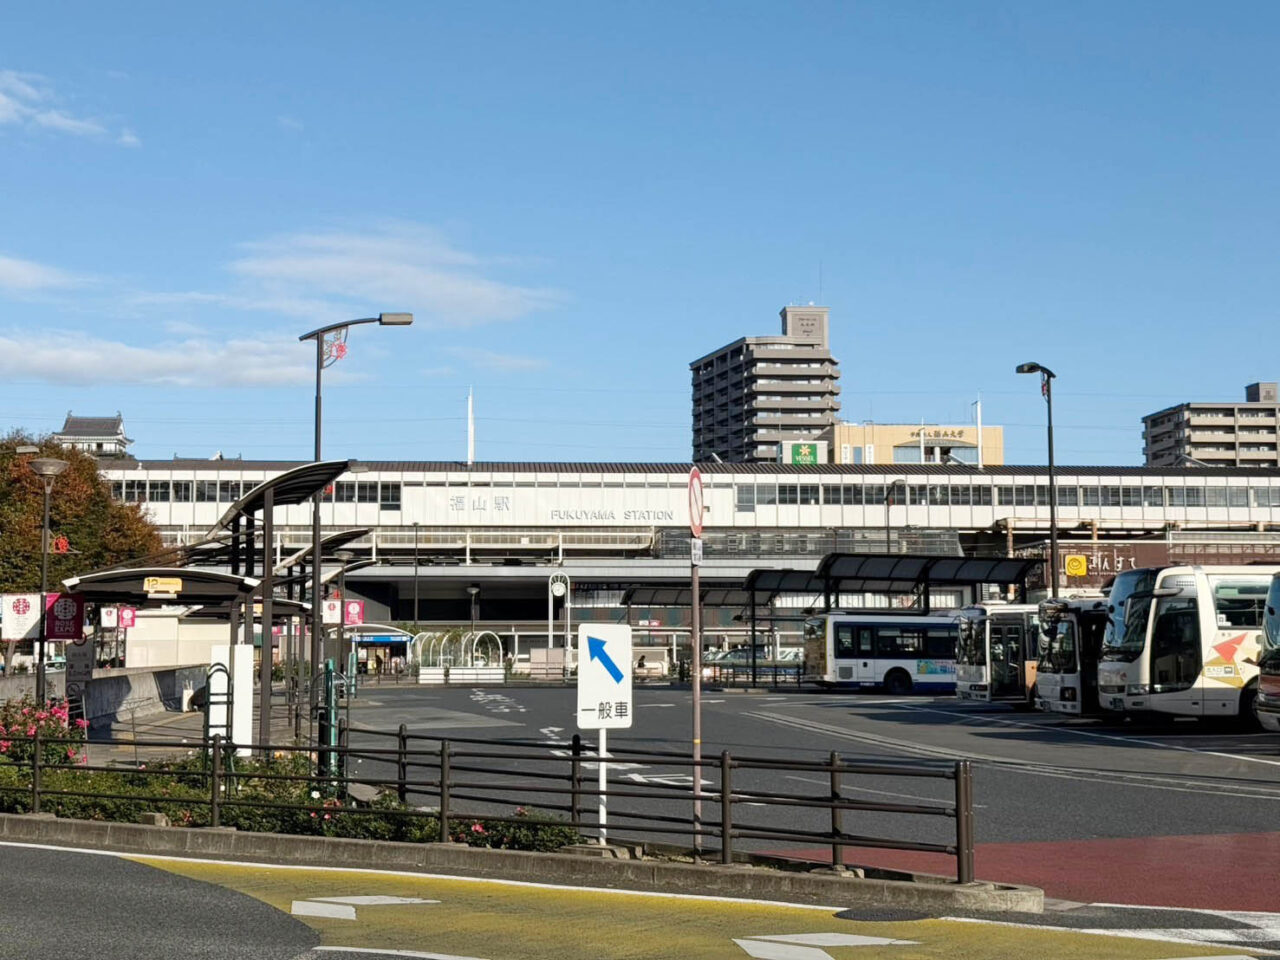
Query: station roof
{"type": "Point", "coordinates": [131, 586]}
{"type": "Point", "coordinates": [295, 485]}
{"type": "Point", "coordinates": [903, 573]}
{"type": "Point", "coordinates": [661, 596]}
{"type": "Point", "coordinates": [772, 582]}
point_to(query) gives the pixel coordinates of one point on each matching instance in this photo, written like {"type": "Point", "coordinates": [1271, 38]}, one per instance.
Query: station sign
{"type": "Point", "coordinates": [128, 618]}
{"type": "Point", "coordinates": [604, 676]}
{"type": "Point", "coordinates": [353, 612]}
{"type": "Point", "coordinates": [162, 586]}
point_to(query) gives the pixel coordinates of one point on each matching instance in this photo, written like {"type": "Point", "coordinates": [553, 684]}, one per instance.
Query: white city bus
{"type": "Point", "coordinates": [899, 652]}
{"type": "Point", "coordinates": [996, 652]}
{"type": "Point", "coordinates": [1067, 676]}
{"type": "Point", "coordinates": [1267, 704]}
{"type": "Point", "coordinates": [1184, 640]}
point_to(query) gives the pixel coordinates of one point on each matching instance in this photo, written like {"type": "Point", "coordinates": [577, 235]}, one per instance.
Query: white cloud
{"type": "Point", "coordinates": [27, 276]}
{"type": "Point", "coordinates": [26, 100]}
{"type": "Point", "coordinates": [290, 123]}
{"type": "Point", "coordinates": [62, 357]}
{"type": "Point", "coordinates": [492, 360]}
{"type": "Point", "coordinates": [400, 267]}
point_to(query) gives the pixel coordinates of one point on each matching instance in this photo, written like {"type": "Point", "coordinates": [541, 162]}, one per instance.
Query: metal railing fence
{"type": "Point", "coordinates": [492, 775]}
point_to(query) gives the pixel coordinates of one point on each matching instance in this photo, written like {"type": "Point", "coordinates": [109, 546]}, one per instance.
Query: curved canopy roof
{"type": "Point", "coordinates": [153, 586]}
{"type": "Point", "coordinates": [292, 487]}
{"type": "Point", "coordinates": [327, 544]}
{"type": "Point", "coordinates": [902, 573]}
{"type": "Point", "coordinates": [281, 610]}
{"type": "Point", "coordinates": [683, 596]}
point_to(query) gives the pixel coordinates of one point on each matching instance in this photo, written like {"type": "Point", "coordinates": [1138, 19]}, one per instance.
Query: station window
{"type": "Point", "coordinates": [917, 494]}
{"type": "Point", "coordinates": [135, 491]}
{"type": "Point", "coordinates": [1090, 497]}
{"type": "Point", "coordinates": [1068, 496]}
{"type": "Point", "coordinates": [1238, 496]}
{"type": "Point", "coordinates": [1153, 496]}
{"type": "Point", "coordinates": [982, 496]}
{"type": "Point", "coordinates": [182, 491]}
{"type": "Point", "coordinates": [1004, 496]}
{"type": "Point", "coordinates": [158, 491]}
{"type": "Point", "coordinates": [228, 491]}
{"type": "Point", "coordinates": [1266, 496]}
{"type": "Point", "coordinates": [1131, 496]}
{"type": "Point", "coordinates": [746, 498]}
{"type": "Point", "coordinates": [960, 495]}
{"type": "Point", "coordinates": [206, 491]}
{"type": "Point", "coordinates": [1177, 496]}
{"type": "Point", "coordinates": [788, 493]}
{"type": "Point", "coordinates": [1110, 496]}
{"type": "Point", "coordinates": [366, 492]}
{"type": "Point", "coordinates": [1195, 496]}
{"type": "Point", "coordinates": [808, 494]}
{"type": "Point", "coordinates": [344, 492]}
{"type": "Point", "coordinates": [117, 490]}
{"type": "Point", "coordinates": [832, 494]}
{"type": "Point", "coordinates": [389, 496]}
{"type": "Point", "coordinates": [1215, 496]}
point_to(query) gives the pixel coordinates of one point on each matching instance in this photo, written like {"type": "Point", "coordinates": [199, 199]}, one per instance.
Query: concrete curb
{"type": "Point", "coordinates": [554, 868]}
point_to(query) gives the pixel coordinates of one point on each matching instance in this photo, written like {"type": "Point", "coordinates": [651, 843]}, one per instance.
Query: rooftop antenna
{"type": "Point", "coordinates": [471, 429]}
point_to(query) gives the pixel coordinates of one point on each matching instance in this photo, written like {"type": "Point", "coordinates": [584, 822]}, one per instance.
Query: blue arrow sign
{"type": "Point", "coordinates": [596, 651]}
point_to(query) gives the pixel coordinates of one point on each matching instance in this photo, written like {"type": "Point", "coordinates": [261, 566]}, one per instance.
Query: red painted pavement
{"type": "Point", "coordinates": [1234, 871]}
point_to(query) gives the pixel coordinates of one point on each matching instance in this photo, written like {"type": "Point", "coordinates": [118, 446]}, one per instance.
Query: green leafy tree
{"type": "Point", "coordinates": [99, 532]}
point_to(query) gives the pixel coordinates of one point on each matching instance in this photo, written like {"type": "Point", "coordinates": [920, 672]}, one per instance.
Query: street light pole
{"type": "Point", "coordinates": [46, 468]}
{"type": "Point", "coordinates": [415, 577]}
{"type": "Point", "coordinates": [330, 347]}
{"type": "Point", "coordinates": [1046, 387]}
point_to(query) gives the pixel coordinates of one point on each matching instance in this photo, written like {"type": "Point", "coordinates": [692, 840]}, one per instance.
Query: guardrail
{"type": "Point", "coordinates": [549, 777]}
{"type": "Point", "coordinates": [770, 673]}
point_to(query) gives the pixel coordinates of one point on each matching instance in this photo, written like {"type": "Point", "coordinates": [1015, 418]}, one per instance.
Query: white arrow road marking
{"type": "Point", "coordinates": [418, 954]}
{"type": "Point", "coordinates": [837, 940]}
{"type": "Point", "coordinates": [804, 946]}
{"type": "Point", "coordinates": [550, 733]}
{"type": "Point", "coordinates": [762, 950]}
{"type": "Point", "coordinates": [344, 908]}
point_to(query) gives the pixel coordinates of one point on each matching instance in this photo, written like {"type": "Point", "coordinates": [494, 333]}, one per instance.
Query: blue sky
{"type": "Point", "coordinates": [576, 199]}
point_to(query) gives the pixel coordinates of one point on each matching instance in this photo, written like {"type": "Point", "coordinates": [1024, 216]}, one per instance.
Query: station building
{"type": "Point", "coordinates": [436, 530]}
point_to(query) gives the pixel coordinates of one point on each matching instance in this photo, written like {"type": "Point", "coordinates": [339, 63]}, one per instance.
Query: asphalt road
{"type": "Point", "coordinates": [1176, 814]}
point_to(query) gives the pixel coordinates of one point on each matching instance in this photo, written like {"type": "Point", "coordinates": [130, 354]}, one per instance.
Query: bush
{"type": "Point", "coordinates": [22, 718]}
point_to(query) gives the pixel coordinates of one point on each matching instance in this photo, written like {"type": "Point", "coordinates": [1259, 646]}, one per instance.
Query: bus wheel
{"type": "Point", "coordinates": [1248, 716]}
{"type": "Point", "coordinates": [897, 682]}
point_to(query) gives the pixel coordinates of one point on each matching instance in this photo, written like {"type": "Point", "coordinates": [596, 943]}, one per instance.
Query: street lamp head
{"type": "Point", "coordinates": [473, 589]}
{"type": "Point", "coordinates": [1029, 368]}
{"type": "Point", "coordinates": [48, 467]}
{"type": "Point", "coordinates": [395, 319]}
{"type": "Point", "coordinates": [345, 555]}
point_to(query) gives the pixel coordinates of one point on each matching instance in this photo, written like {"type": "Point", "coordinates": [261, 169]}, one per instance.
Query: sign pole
{"type": "Point", "coordinates": [695, 604]}
{"type": "Point", "coordinates": [603, 813]}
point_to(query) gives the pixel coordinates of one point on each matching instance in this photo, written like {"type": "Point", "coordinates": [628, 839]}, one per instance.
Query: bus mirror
{"type": "Point", "coordinates": [1166, 592]}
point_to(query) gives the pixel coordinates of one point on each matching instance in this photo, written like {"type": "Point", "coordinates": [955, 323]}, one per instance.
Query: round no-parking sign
{"type": "Point", "coordinates": [695, 502]}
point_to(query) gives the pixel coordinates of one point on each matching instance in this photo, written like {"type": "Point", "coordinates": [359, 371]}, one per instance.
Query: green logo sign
{"type": "Point", "coordinates": [804, 454]}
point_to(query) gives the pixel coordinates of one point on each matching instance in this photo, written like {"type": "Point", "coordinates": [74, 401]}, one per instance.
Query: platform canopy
{"type": "Point", "coordinates": [766, 583]}
{"type": "Point", "coordinates": [328, 544]}
{"type": "Point", "coordinates": [287, 489]}
{"type": "Point", "coordinates": [156, 586]}
{"type": "Point", "coordinates": [671, 596]}
{"type": "Point", "coordinates": [905, 573]}
{"type": "Point", "coordinates": [281, 611]}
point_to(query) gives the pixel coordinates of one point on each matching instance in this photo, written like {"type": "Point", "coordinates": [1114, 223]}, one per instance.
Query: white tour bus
{"type": "Point", "coordinates": [997, 651]}
{"type": "Point", "coordinates": [1067, 675]}
{"type": "Point", "coordinates": [899, 652]}
{"type": "Point", "coordinates": [1184, 640]}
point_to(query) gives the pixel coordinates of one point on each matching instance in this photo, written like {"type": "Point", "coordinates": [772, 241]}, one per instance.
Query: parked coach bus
{"type": "Point", "coordinates": [899, 652]}
{"type": "Point", "coordinates": [996, 652]}
{"type": "Point", "coordinates": [1184, 640]}
{"type": "Point", "coordinates": [1067, 678]}
{"type": "Point", "coordinates": [1267, 705]}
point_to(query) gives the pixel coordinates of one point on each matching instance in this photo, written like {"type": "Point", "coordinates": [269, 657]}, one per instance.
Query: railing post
{"type": "Point", "coordinates": [575, 783]}
{"type": "Point", "coordinates": [964, 821]}
{"type": "Point", "coordinates": [342, 756]}
{"type": "Point", "coordinates": [726, 809]}
{"type": "Point", "coordinates": [35, 772]}
{"type": "Point", "coordinates": [215, 783]}
{"type": "Point", "coordinates": [444, 791]}
{"type": "Point", "coordinates": [402, 763]}
{"type": "Point", "coordinates": [837, 814]}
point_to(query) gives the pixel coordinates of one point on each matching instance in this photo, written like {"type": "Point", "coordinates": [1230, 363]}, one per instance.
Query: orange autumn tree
{"type": "Point", "coordinates": [99, 532]}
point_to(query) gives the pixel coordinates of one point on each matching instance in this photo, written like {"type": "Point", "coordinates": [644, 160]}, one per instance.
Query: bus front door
{"type": "Point", "coordinates": [1006, 661]}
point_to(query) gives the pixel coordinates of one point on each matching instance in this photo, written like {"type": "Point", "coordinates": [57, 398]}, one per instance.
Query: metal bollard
{"type": "Point", "coordinates": [964, 821]}
{"type": "Point", "coordinates": [343, 760]}
{"type": "Point", "coordinates": [726, 809]}
{"type": "Point", "coordinates": [402, 763]}
{"type": "Point", "coordinates": [215, 783]}
{"type": "Point", "coordinates": [444, 791]}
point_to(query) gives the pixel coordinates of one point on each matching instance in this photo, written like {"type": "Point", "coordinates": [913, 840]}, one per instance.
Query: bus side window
{"type": "Point", "coordinates": [1013, 637]}
{"type": "Point", "coordinates": [940, 644]}
{"type": "Point", "coordinates": [844, 641]}
{"type": "Point", "coordinates": [866, 642]}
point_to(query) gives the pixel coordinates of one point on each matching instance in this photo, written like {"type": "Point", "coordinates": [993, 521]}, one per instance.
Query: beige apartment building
{"type": "Point", "coordinates": [886, 443]}
{"type": "Point", "coordinates": [1216, 434]}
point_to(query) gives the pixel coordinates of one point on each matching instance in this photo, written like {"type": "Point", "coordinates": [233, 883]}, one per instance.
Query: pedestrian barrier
{"type": "Point", "coordinates": [748, 802]}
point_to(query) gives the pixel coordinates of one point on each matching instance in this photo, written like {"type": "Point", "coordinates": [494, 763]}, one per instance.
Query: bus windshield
{"type": "Point", "coordinates": [1061, 657]}
{"type": "Point", "coordinates": [1271, 618]}
{"type": "Point", "coordinates": [971, 647]}
{"type": "Point", "coordinates": [1127, 628]}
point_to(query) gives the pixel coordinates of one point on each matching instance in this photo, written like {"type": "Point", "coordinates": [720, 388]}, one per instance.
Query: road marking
{"type": "Point", "coordinates": [805, 946]}
{"type": "Point", "coordinates": [1128, 741]}
{"type": "Point", "coordinates": [713, 701]}
{"type": "Point", "coordinates": [330, 911]}
{"type": "Point", "coordinates": [655, 705]}
{"type": "Point", "coordinates": [881, 793]}
{"type": "Point", "coordinates": [1261, 791]}
{"type": "Point", "coordinates": [763, 950]}
{"type": "Point", "coordinates": [1124, 933]}
{"type": "Point", "coordinates": [532, 884]}
{"type": "Point", "coordinates": [373, 951]}
{"type": "Point", "coordinates": [372, 901]}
